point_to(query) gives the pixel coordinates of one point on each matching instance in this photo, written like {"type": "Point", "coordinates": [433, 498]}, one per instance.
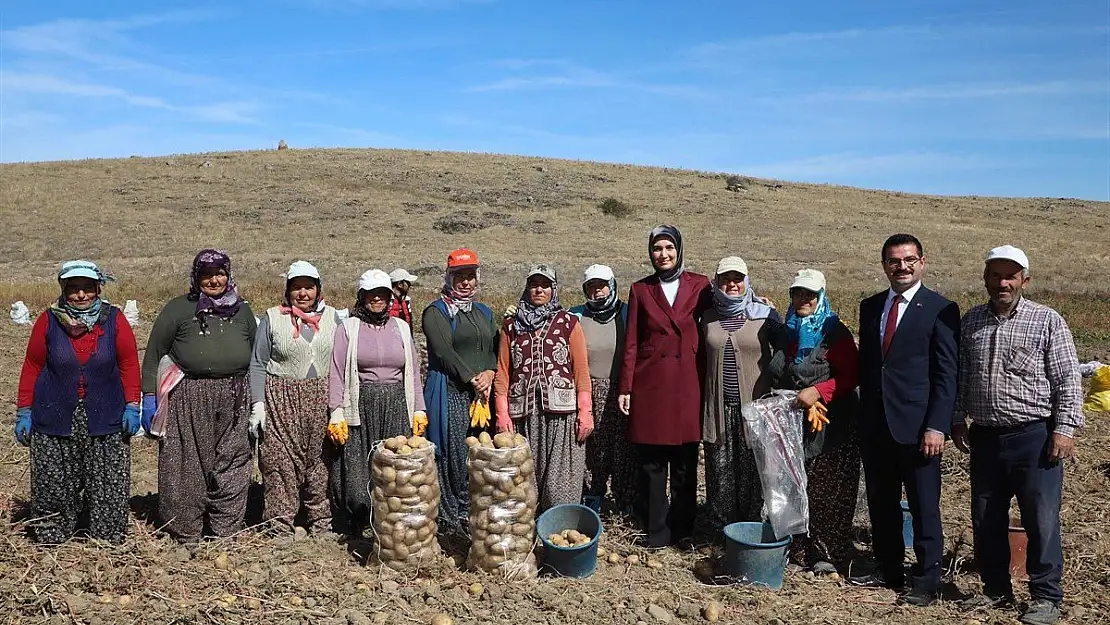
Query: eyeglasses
{"type": "Point", "coordinates": [895, 263]}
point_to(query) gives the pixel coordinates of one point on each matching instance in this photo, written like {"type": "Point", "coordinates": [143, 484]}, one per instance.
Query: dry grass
{"type": "Point", "coordinates": [348, 210]}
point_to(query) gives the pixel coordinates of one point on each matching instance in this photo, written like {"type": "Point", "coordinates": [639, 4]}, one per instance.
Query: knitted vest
{"type": "Point", "coordinates": [814, 368]}
{"type": "Point", "coordinates": [292, 357]}
{"type": "Point", "coordinates": [56, 387]}
{"type": "Point", "coordinates": [540, 362]}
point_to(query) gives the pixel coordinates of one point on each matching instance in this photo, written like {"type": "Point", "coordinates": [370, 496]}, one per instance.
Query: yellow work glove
{"type": "Point", "coordinates": [337, 427]}
{"type": "Point", "coordinates": [479, 414]}
{"type": "Point", "coordinates": [817, 415]}
{"type": "Point", "coordinates": [419, 423]}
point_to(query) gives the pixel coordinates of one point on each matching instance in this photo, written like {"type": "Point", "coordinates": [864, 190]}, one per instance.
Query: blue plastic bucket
{"type": "Point", "coordinates": [753, 554]}
{"type": "Point", "coordinates": [907, 525]}
{"type": "Point", "coordinates": [570, 561]}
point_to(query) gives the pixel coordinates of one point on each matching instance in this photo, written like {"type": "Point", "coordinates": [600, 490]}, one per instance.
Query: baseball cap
{"type": "Point", "coordinates": [732, 263]}
{"type": "Point", "coordinates": [374, 279]}
{"type": "Point", "coordinates": [462, 257]}
{"type": "Point", "coordinates": [597, 272]}
{"type": "Point", "coordinates": [810, 280]}
{"type": "Point", "coordinates": [543, 269]}
{"type": "Point", "coordinates": [401, 275]}
{"type": "Point", "coordinates": [1009, 252]}
{"type": "Point", "coordinates": [80, 269]}
{"type": "Point", "coordinates": [302, 269]}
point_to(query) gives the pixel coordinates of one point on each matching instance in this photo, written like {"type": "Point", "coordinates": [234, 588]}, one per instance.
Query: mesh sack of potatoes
{"type": "Point", "coordinates": [405, 494]}
{"type": "Point", "coordinates": [502, 505]}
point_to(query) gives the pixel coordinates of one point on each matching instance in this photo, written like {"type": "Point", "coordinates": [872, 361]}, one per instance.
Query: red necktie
{"type": "Point", "coordinates": [891, 323]}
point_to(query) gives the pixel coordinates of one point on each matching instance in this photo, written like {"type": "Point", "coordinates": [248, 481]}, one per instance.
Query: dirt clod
{"type": "Point", "coordinates": [659, 614]}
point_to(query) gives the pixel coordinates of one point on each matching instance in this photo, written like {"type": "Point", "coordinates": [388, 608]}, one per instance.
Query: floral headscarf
{"type": "Point", "coordinates": [451, 298]}
{"type": "Point", "coordinates": [227, 304]}
{"type": "Point", "coordinates": [79, 321]}
{"type": "Point", "coordinates": [530, 317]}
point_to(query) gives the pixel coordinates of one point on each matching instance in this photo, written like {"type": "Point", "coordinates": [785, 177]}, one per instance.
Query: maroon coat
{"type": "Point", "coordinates": [663, 364]}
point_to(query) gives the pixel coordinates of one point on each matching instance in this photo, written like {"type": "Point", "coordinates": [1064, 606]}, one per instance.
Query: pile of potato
{"type": "Point", "coordinates": [569, 538]}
{"type": "Point", "coordinates": [405, 495]}
{"type": "Point", "coordinates": [503, 501]}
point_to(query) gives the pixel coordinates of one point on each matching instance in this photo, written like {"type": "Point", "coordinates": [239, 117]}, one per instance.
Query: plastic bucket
{"type": "Point", "coordinates": [907, 525]}
{"type": "Point", "coordinates": [570, 561]}
{"type": "Point", "coordinates": [753, 554]}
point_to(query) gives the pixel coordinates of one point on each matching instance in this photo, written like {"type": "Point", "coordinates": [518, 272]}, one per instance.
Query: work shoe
{"type": "Point", "coordinates": [823, 568]}
{"type": "Point", "coordinates": [917, 597]}
{"type": "Point", "coordinates": [975, 602]}
{"type": "Point", "coordinates": [876, 580]}
{"type": "Point", "coordinates": [1041, 612]}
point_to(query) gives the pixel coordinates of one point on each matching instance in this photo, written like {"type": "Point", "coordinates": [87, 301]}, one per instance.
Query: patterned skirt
{"type": "Point", "coordinates": [609, 455]}
{"type": "Point", "coordinates": [204, 462]}
{"type": "Point", "coordinates": [559, 459]}
{"type": "Point", "coordinates": [832, 484]}
{"type": "Point", "coordinates": [454, 480]}
{"type": "Point", "coordinates": [70, 474]}
{"type": "Point", "coordinates": [291, 455]}
{"type": "Point", "coordinates": [383, 413]}
{"type": "Point", "coordinates": [733, 491]}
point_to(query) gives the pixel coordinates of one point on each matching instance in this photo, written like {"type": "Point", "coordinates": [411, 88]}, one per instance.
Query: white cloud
{"type": "Point", "coordinates": [958, 91]}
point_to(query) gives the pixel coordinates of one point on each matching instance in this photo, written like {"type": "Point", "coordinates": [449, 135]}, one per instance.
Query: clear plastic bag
{"type": "Point", "coordinates": [773, 429]}
{"type": "Point", "coordinates": [503, 500]}
{"type": "Point", "coordinates": [405, 494]}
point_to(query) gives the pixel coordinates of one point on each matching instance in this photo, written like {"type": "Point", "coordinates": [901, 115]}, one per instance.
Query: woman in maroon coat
{"type": "Point", "coordinates": [660, 387]}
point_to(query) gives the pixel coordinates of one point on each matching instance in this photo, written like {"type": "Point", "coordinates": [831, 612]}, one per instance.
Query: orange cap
{"type": "Point", "coordinates": [462, 257]}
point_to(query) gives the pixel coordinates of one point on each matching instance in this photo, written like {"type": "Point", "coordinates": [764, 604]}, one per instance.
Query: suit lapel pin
{"type": "Point", "coordinates": [918, 304]}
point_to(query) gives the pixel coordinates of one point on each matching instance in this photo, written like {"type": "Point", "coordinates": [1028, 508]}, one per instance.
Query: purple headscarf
{"type": "Point", "coordinates": [227, 304]}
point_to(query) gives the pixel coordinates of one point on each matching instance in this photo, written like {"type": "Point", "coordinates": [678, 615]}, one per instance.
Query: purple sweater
{"type": "Point", "coordinates": [380, 358]}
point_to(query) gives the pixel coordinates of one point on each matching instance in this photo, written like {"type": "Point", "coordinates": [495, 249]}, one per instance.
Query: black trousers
{"type": "Point", "coordinates": [888, 466]}
{"type": "Point", "coordinates": [1009, 462]}
{"type": "Point", "coordinates": [667, 518]}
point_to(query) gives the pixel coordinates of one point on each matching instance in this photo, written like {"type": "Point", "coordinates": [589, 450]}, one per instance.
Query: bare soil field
{"type": "Point", "coordinates": [350, 210]}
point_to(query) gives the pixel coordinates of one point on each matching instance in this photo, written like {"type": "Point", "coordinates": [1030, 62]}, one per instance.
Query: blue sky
{"type": "Point", "coordinates": [937, 96]}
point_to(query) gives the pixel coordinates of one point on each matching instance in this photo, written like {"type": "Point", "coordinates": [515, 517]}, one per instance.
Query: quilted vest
{"type": "Point", "coordinates": [292, 357]}
{"type": "Point", "coordinates": [539, 364]}
{"type": "Point", "coordinates": [56, 387]}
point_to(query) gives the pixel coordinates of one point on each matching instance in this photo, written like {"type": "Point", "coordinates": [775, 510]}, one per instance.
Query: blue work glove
{"type": "Point", "coordinates": [131, 419]}
{"type": "Point", "coordinates": [23, 426]}
{"type": "Point", "coordinates": [150, 406]}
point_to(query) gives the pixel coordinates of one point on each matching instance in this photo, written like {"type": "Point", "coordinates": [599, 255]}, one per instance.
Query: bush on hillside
{"type": "Point", "coordinates": [615, 208]}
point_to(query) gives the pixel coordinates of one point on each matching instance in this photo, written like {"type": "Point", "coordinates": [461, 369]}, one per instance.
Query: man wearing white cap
{"type": "Point", "coordinates": [1020, 385]}
{"type": "Point", "coordinates": [401, 307]}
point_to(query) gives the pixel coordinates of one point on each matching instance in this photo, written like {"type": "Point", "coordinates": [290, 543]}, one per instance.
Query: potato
{"type": "Point", "coordinates": [527, 467]}
{"type": "Point", "coordinates": [504, 440]}
{"type": "Point", "coordinates": [484, 439]}
{"type": "Point", "coordinates": [415, 442]}
{"type": "Point", "coordinates": [407, 490]}
{"type": "Point", "coordinates": [519, 440]}
{"type": "Point", "coordinates": [472, 441]}
{"type": "Point", "coordinates": [519, 456]}
{"type": "Point", "coordinates": [521, 529]}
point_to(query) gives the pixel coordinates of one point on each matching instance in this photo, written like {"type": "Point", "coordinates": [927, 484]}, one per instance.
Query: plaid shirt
{"type": "Point", "coordinates": [1018, 369]}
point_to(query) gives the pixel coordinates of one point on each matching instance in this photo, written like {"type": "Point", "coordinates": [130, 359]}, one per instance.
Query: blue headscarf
{"type": "Point", "coordinates": [810, 330]}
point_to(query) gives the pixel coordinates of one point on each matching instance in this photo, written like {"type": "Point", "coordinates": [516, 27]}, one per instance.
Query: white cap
{"type": "Point", "coordinates": [302, 269]}
{"type": "Point", "coordinates": [374, 279]}
{"type": "Point", "coordinates": [1009, 252]}
{"type": "Point", "coordinates": [732, 263]}
{"type": "Point", "coordinates": [597, 272]}
{"type": "Point", "coordinates": [401, 275]}
{"type": "Point", "coordinates": [80, 269]}
{"type": "Point", "coordinates": [809, 279]}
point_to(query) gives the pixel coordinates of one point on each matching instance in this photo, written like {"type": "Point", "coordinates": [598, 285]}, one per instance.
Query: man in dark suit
{"type": "Point", "coordinates": [907, 382]}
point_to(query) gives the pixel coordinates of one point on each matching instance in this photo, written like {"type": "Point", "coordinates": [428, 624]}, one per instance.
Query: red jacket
{"type": "Point", "coordinates": [401, 307]}
{"type": "Point", "coordinates": [663, 361]}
